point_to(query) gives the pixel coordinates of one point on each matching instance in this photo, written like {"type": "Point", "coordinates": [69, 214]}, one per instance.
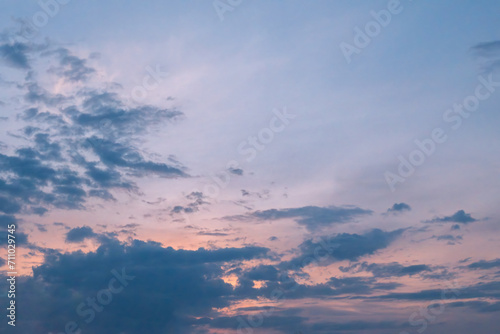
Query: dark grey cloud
{"type": "Point", "coordinates": [480, 290]}
{"type": "Point", "coordinates": [8, 205]}
{"type": "Point", "coordinates": [79, 234]}
{"type": "Point", "coordinates": [478, 306]}
{"type": "Point", "coordinates": [71, 67]}
{"type": "Point", "coordinates": [278, 322]}
{"type": "Point", "coordinates": [30, 176]}
{"type": "Point", "coordinates": [169, 291]}
{"type": "Point", "coordinates": [383, 270]}
{"type": "Point", "coordinates": [262, 273]}
{"type": "Point", "coordinates": [236, 171]}
{"type": "Point", "coordinates": [105, 112]}
{"type": "Point", "coordinates": [487, 48]}
{"type": "Point", "coordinates": [282, 322]}
{"type": "Point", "coordinates": [7, 220]}
{"type": "Point", "coordinates": [341, 247]}
{"type": "Point", "coordinates": [484, 264]}
{"type": "Point", "coordinates": [106, 179]}
{"type": "Point", "coordinates": [213, 234]}
{"type": "Point", "coordinates": [312, 217]}
{"type": "Point", "coordinates": [399, 207]}
{"type": "Point", "coordinates": [117, 155]}
{"type": "Point", "coordinates": [448, 237]}
{"type": "Point", "coordinates": [195, 199]}
{"type": "Point", "coordinates": [353, 326]}
{"type": "Point", "coordinates": [91, 128]}
{"type": "Point", "coordinates": [38, 95]}
{"type": "Point", "coordinates": [458, 217]}
{"type": "Point", "coordinates": [21, 238]}
{"type": "Point", "coordinates": [41, 227]}
{"type": "Point", "coordinates": [15, 54]}
{"type": "Point", "coordinates": [288, 286]}
{"type": "Point", "coordinates": [359, 285]}
{"type": "Point", "coordinates": [489, 52]}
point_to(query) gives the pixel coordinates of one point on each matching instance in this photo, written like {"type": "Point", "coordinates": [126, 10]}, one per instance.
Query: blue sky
{"type": "Point", "coordinates": [228, 142]}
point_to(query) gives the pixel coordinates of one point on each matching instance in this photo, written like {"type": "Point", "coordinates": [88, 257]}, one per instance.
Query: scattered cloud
{"type": "Point", "coordinates": [399, 207]}
{"type": "Point", "coordinates": [312, 217]}
{"type": "Point", "coordinates": [341, 247]}
{"type": "Point", "coordinates": [458, 217]}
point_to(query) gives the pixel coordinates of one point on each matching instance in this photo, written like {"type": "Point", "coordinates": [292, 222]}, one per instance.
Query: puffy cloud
{"type": "Point", "coordinates": [170, 288]}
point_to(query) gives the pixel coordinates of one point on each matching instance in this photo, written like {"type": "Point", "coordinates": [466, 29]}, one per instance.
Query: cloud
{"type": "Point", "coordinates": [21, 238]}
{"type": "Point", "coordinates": [480, 290]}
{"type": "Point", "coordinates": [359, 285]}
{"type": "Point", "coordinates": [71, 67]}
{"type": "Point", "coordinates": [15, 54]}
{"type": "Point", "coordinates": [41, 227]}
{"type": "Point", "coordinates": [458, 217]}
{"type": "Point", "coordinates": [330, 327]}
{"type": "Point", "coordinates": [262, 273]}
{"type": "Point", "coordinates": [79, 234]}
{"type": "Point", "coordinates": [490, 52]}
{"type": "Point", "coordinates": [213, 234]}
{"type": "Point", "coordinates": [281, 322]}
{"type": "Point", "coordinates": [399, 207]}
{"type": "Point", "coordinates": [312, 217]}
{"type": "Point", "coordinates": [236, 171]}
{"type": "Point", "coordinates": [80, 144]}
{"type": "Point", "coordinates": [478, 306]}
{"type": "Point", "coordinates": [383, 270]}
{"type": "Point", "coordinates": [117, 155]}
{"type": "Point", "coordinates": [341, 247]}
{"type": "Point", "coordinates": [7, 220]}
{"type": "Point", "coordinates": [483, 264]}
{"type": "Point", "coordinates": [196, 200]}
{"type": "Point", "coordinates": [448, 237]}
{"type": "Point", "coordinates": [9, 206]}
{"type": "Point", "coordinates": [171, 288]}
{"type": "Point", "coordinates": [487, 48]}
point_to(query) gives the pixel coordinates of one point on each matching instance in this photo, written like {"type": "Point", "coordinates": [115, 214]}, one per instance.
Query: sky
{"type": "Point", "coordinates": [240, 167]}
